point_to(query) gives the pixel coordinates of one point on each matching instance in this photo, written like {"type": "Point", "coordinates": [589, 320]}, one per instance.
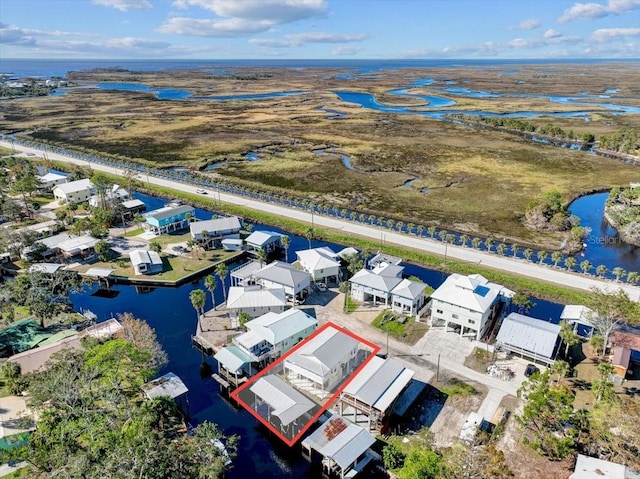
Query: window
{"type": "Point", "coordinates": [472, 321]}
{"type": "Point", "coordinates": [454, 316]}
{"type": "Point", "coordinates": [439, 311]}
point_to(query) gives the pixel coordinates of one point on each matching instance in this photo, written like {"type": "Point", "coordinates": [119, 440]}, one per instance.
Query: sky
{"type": "Point", "coordinates": [319, 29]}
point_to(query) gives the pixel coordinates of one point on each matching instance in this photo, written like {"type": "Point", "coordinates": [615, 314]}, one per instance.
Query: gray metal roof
{"type": "Point", "coordinates": [370, 279]}
{"type": "Point", "coordinates": [529, 334]}
{"type": "Point", "coordinates": [380, 382]}
{"type": "Point", "coordinates": [409, 289]}
{"type": "Point", "coordinates": [48, 268]}
{"type": "Point", "coordinates": [277, 327]}
{"type": "Point", "coordinates": [260, 239]}
{"type": "Point", "coordinates": [287, 403]}
{"type": "Point", "coordinates": [169, 211]}
{"type": "Point", "coordinates": [167, 385]}
{"type": "Point", "coordinates": [254, 297]}
{"type": "Point", "coordinates": [324, 351]}
{"type": "Point", "coordinates": [340, 440]}
{"type": "Point", "coordinates": [232, 358]}
{"type": "Point", "coordinates": [283, 273]}
{"type": "Point", "coordinates": [215, 226]}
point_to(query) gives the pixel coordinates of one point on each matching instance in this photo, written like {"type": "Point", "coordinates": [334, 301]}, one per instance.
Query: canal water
{"type": "Point", "coordinates": [170, 312]}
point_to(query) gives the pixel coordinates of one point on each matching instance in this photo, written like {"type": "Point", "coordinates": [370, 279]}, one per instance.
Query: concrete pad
{"type": "Point", "coordinates": [12, 408]}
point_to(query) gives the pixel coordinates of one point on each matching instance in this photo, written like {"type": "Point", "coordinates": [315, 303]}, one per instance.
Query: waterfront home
{"type": "Point", "coordinates": [37, 357]}
{"type": "Point", "coordinates": [323, 362]}
{"type": "Point", "coordinates": [255, 301]}
{"type": "Point", "coordinates": [116, 194]}
{"type": "Point", "coordinates": [579, 317]}
{"type": "Point", "coordinates": [466, 304]}
{"type": "Point", "coordinates": [243, 274]}
{"type": "Point", "coordinates": [408, 297]}
{"type": "Point", "coordinates": [282, 406]}
{"type": "Point", "coordinates": [344, 447]}
{"type": "Point", "coordinates": [278, 274]}
{"type": "Point", "coordinates": [169, 218]}
{"type": "Point", "coordinates": [625, 347]}
{"type": "Point", "coordinates": [213, 231]}
{"type": "Point", "coordinates": [48, 180]}
{"type": "Point", "coordinates": [375, 285]}
{"type": "Point", "coordinates": [268, 241]}
{"type": "Point", "coordinates": [132, 207]}
{"type": "Point", "coordinates": [74, 191]}
{"type": "Point", "coordinates": [593, 468]}
{"type": "Point", "coordinates": [381, 259]}
{"type": "Point", "coordinates": [45, 268]}
{"type": "Point", "coordinates": [145, 262]}
{"type": "Point", "coordinates": [234, 365]}
{"type": "Point", "coordinates": [370, 396]}
{"type": "Point", "coordinates": [321, 263]}
{"type": "Point", "coordinates": [45, 247]}
{"type": "Point", "coordinates": [232, 244]}
{"type": "Point", "coordinates": [273, 334]}
{"type": "Point", "coordinates": [529, 337]}
{"type": "Point", "coordinates": [167, 385]}
{"type": "Point", "coordinates": [83, 246]}
{"type": "Point", "coordinates": [42, 229]}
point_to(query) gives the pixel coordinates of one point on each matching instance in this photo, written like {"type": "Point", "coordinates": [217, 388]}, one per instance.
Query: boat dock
{"type": "Point", "coordinates": [215, 329]}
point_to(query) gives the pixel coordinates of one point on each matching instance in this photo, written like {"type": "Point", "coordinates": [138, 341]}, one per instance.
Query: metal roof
{"type": "Point", "coordinates": [215, 226]}
{"type": "Point", "coordinates": [464, 291]}
{"type": "Point", "coordinates": [167, 385]}
{"type": "Point", "coordinates": [246, 270]}
{"type": "Point", "coordinates": [283, 273]}
{"type": "Point", "coordinates": [529, 334]}
{"type": "Point", "coordinates": [372, 280]}
{"type": "Point", "coordinates": [232, 358]}
{"type": "Point", "coordinates": [78, 244]}
{"type": "Point", "coordinates": [287, 403]}
{"type": "Point", "coordinates": [577, 313]}
{"type": "Point", "coordinates": [594, 468]}
{"type": "Point", "coordinates": [340, 440]}
{"type": "Point", "coordinates": [262, 238]}
{"type": "Point", "coordinates": [409, 289]}
{"type": "Point", "coordinates": [74, 186]}
{"type": "Point", "coordinates": [143, 256]}
{"type": "Point", "coordinates": [99, 272]}
{"type": "Point", "coordinates": [324, 351]}
{"type": "Point", "coordinates": [48, 268]}
{"type": "Point", "coordinates": [318, 258]}
{"type": "Point", "coordinates": [380, 382]}
{"type": "Point", "coordinates": [275, 328]}
{"type": "Point", "coordinates": [169, 211]}
{"type": "Point", "coordinates": [252, 297]}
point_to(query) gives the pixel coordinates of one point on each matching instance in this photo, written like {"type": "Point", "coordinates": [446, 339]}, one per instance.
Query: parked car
{"type": "Point", "coordinates": [531, 370]}
{"type": "Point", "coordinates": [201, 191]}
{"type": "Point", "coordinates": [321, 287]}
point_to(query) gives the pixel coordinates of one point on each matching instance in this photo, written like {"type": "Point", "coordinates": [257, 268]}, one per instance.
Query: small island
{"type": "Point", "coordinates": [622, 211]}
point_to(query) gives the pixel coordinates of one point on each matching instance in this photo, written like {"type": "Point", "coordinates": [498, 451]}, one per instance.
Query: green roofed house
{"type": "Point", "coordinates": [20, 336]}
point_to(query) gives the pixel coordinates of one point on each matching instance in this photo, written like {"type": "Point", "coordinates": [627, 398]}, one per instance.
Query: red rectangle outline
{"type": "Point", "coordinates": [290, 442]}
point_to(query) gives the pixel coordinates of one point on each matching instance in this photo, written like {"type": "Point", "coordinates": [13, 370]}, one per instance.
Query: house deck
{"type": "Point", "coordinates": [215, 329]}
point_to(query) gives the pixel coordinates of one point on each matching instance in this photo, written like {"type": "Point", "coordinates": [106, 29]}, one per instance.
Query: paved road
{"type": "Point", "coordinates": [512, 265]}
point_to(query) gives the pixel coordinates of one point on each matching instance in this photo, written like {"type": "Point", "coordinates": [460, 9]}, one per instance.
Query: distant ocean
{"type": "Point", "coordinates": [46, 68]}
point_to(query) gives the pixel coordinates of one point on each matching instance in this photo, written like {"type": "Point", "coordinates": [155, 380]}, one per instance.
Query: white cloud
{"type": "Point", "coordinates": [607, 34]}
{"type": "Point", "coordinates": [229, 27]}
{"type": "Point", "coordinates": [551, 33]}
{"type": "Point", "coordinates": [529, 24]}
{"type": "Point", "coordinates": [241, 17]}
{"type": "Point", "coordinates": [346, 51]}
{"type": "Point", "coordinates": [299, 39]}
{"type": "Point", "coordinates": [125, 5]}
{"type": "Point", "coordinates": [273, 11]}
{"type": "Point", "coordinates": [598, 10]}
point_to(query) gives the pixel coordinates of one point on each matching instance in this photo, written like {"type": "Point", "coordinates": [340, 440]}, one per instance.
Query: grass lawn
{"type": "Point", "coordinates": [402, 328]}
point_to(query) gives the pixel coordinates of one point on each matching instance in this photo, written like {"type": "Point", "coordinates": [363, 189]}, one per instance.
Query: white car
{"type": "Point", "coordinates": [201, 191]}
{"type": "Point", "coordinates": [321, 287]}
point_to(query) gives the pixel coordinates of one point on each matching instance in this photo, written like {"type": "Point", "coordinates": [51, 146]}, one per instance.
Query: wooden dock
{"type": "Point", "coordinates": [215, 329]}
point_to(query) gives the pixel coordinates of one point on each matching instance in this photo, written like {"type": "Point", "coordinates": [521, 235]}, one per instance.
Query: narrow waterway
{"type": "Point", "coordinates": [169, 311]}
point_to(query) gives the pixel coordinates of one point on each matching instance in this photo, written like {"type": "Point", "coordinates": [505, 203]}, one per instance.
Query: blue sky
{"type": "Point", "coordinates": [309, 29]}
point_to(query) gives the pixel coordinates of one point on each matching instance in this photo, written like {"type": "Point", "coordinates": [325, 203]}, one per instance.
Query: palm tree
{"type": "Point", "coordinates": [198, 299]}
{"type": "Point", "coordinates": [570, 262]}
{"type": "Point", "coordinates": [420, 230]}
{"type": "Point", "coordinates": [205, 238]}
{"type": "Point", "coordinates": [353, 216]}
{"type": "Point", "coordinates": [488, 243]}
{"type": "Point", "coordinates": [450, 238]}
{"type": "Point", "coordinates": [618, 272]}
{"type": "Point", "coordinates": [390, 224]}
{"type": "Point", "coordinates": [442, 234]}
{"type": "Point", "coordinates": [568, 336]}
{"type": "Point", "coordinates": [475, 242]}
{"type": "Point", "coordinates": [362, 217]}
{"type": "Point", "coordinates": [561, 368]}
{"type": "Point", "coordinates": [410, 227]}
{"type": "Point", "coordinates": [601, 270]}
{"type": "Point", "coordinates": [585, 266]}
{"type": "Point", "coordinates": [399, 225]}
{"type": "Point", "coordinates": [309, 235]}
{"type": "Point", "coordinates": [222, 271]}
{"type": "Point", "coordinates": [633, 277]}
{"type": "Point", "coordinates": [527, 253]}
{"type": "Point", "coordinates": [464, 239]}
{"type": "Point", "coordinates": [500, 249]}
{"type": "Point", "coordinates": [372, 218]}
{"type": "Point", "coordinates": [514, 249]}
{"type": "Point", "coordinates": [262, 255]}
{"type": "Point", "coordinates": [556, 256]}
{"type": "Point", "coordinates": [285, 241]}
{"type": "Point", "coordinates": [542, 255]}
{"type": "Point", "coordinates": [431, 230]}
{"type": "Point", "coordinates": [210, 283]}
